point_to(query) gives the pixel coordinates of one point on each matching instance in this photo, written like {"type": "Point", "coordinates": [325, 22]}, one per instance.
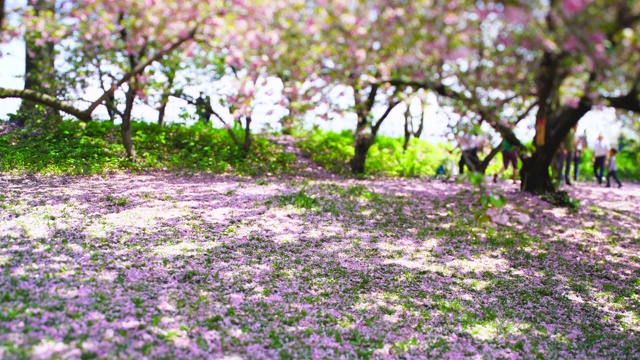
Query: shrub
{"type": "Point", "coordinates": [386, 157]}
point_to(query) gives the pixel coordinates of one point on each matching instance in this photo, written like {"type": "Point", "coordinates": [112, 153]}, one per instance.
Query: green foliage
{"type": "Point", "coordinates": [94, 148]}
{"type": "Point", "coordinates": [114, 201]}
{"type": "Point", "coordinates": [298, 199]}
{"type": "Point", "coordinates": [329, 149]}
{"type": "Point", "coordinates": [628, 160]}
{"type": "Point", "coordinates": [386, 157]}
{"type": "Point", "coordinates": [562, 198]}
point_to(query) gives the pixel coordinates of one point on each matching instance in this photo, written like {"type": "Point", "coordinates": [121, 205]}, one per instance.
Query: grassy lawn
{"type": "Point", "coordinates": [165, 267]}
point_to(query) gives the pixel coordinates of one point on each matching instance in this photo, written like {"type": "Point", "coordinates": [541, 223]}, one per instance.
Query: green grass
{"type": "Point", "coordinates": [386, 157]}
{"type": "Point", "coordinates": [96, 148]}
{"type": "Point", "coordinates": [299, 199]}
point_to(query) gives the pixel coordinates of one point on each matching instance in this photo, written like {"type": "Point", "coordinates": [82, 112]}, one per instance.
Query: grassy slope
{"type": "Point", "coordinates": [95, 148]}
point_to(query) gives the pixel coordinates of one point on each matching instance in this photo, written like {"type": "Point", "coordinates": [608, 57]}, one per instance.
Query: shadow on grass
{"type": "Point", "coordinates": [169, 267]}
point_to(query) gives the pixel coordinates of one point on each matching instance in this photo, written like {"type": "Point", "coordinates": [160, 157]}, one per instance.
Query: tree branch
{"type": "Point", "coordinates": [191, 101]}
{"type": "Point", "coordinates": [46, 100]}
{"type": "Point", "coordinates": [376, 126]}
{"type": "Point", "coordinates": [630, 102]}
{"type": "Point", "coordinates": [85, 115]}
{"type": "Point", "coordinates": [140, 68]}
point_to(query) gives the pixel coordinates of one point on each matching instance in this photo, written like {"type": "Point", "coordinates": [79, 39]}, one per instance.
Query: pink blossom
{"type": "Point", "coordinates": [572, 7]}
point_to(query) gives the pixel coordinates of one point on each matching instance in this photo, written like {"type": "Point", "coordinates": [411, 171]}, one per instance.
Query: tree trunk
{"type": "Point", "coordinates": [407, 138]}
{"type": "Point", "coordinates": [360, 156]}
{"type": "Point", "coordinates": [535, 174]}
{"type": "Point", "coordinates": [165, 97]}
{"type": "Point", "coordinates": [407, 132]}
{"type": "Point", "coordinates": [409, 127]}
{"type": "Point", "coordinates": [535, 170]}
{"type": "Point", "coordinates": [362, 145]}
{"type": "Point", "coordinates": [247, 136]}
{"type": "Point", "coordinates": [127, 139]}
{"type": "Point", "coordinates": [1, 16]}
{"type": "Point", "coordinates": [39, 74]}
{"type": "Point", "coordinates": [161, 110]}
{"type": "Point", "coordinates": [366, 130]}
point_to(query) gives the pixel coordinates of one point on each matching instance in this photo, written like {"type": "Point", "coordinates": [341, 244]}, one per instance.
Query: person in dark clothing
{"type": "Point", "coordinates": [612, 169]}
{"type": "Point", "coordinates": [203, 108]}
{"type": "Point", "coordinates": [600, 154]}
{"type": "Point", "coordinates": [469, 156]}
{"type": "Point", "coordinates": [509, 157]}
{"type": "Point", "coordinates": [110, 103]}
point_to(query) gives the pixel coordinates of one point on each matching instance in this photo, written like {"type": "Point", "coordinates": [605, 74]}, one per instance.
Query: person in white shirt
{"type": "Point", "coordinates": [600, 153]}
{"type": "Point", "coordinates": [613, 168]}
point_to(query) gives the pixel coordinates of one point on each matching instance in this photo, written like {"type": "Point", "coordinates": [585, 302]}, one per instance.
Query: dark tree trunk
{"type": "Point", "coordinates": [363, 141]}
{"type": "Point", "coordinates": [359, 159]}
{"type": "Point", "coordinates": [409, 128]}
{"type": "Point", "coordinates": [246, 147]}
{"type": "Point", "coordinates": [161, 110]}
{"type": "Point", "coordinates": [535, 174]}
{"type": "Point", "coordinates": [39, 74]}
{"type": "Point", "coordinates": [1, 16]}
{"type": "Point", "coordinates": [127, 139]}
{"type": "Point", "coordinates": [165, 98]}
{"type": "Point", "coordinates": [407, 132]}
{"type": "Point", "coordinates": [366, 129]}
{"type": "Point", "coordinates": [365, 136]}
{"type": "Point", "coordinates": [535, 170]}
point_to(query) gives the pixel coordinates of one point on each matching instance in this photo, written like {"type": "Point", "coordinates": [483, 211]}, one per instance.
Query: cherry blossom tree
{"type": "Point", "coordinates": [583, 52]}
{"type": "Point", "coordinates": [380, 49]}
{"type": "Point", "coordinates": [251, 45]}
{"type": "Point", "coordinates": [126, 36]}
{"type": "Point", "coordinates": [558, 59]}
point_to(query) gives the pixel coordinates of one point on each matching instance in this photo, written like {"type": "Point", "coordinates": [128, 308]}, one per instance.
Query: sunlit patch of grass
{"type": "Point", "coordinates": [299, 199]}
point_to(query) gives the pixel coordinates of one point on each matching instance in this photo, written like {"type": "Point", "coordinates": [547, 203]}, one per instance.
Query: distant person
{"type": "Point", "coordinates": [110, 103]}
{"type": "Point", "coordinates": [203, 108]}
{"type": "Point", "coordinates": [509, 157]}
{"type": "Point", "coordinates": [469, 157]}
{"type": "Point", "coordinates": [600, 153]}
{"type": "Point", "coordinates": [612, 169]}
{"type": "Point", "coordinates": [569, 146]}
{"type": "Point", "coordinates": [581, 145]}
{"type": "Point", "coordinates": [620, 142]}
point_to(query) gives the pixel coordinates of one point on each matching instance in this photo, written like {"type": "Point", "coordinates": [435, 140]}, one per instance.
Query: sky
{"type": "Point", "coordinates": [435, 128]}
